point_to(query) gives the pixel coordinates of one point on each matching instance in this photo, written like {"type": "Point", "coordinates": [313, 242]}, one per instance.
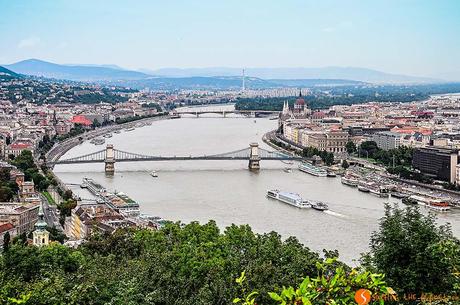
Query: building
{"type": "Point", "coordinates": [22, 216]}
{"type": "Point", "coordinates": [41, 236]}
{"type": "Point", "coordinates": [437, 162]}
{"type": "Point", "coordinates": [17, 148]}
{"type": "Point", "coordinates": [85, 218]}
{"type": "Point", "coordinates": [387, 140]}
{"type": "Point", "coordinates": [7, 228]}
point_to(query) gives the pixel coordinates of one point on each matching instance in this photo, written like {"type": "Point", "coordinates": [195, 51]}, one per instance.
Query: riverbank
{"type": "Point", "coordinates": [59, 149]}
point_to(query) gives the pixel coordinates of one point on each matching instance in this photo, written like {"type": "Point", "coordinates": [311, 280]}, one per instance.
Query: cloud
{"type": "Point", "coordinates": [29, 42]}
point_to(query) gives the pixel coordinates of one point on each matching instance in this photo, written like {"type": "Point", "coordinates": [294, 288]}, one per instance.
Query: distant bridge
{"type": "Point", "coordinates": [203, 110]}
{"type": "Point", "coordinates": [110, 155]}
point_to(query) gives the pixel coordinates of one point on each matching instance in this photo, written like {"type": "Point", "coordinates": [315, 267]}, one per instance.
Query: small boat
{"type": "Point", "coordinates": [318, 205]}
{"type": "Point", "coordinates": [331, 174]}
{"type": "Point", "coordinates": [154, 174]}
{"type": "Point", "coordinates": [107, 135]}
{"type": "Point", "coordinates": [399, 195]}
{"type": "Point", "coordinates": [409, 200]}
{"type": "Point", "coordinates": [117, 131]}
{"type": "Point", "coordinates": [97, 141]}
{"type": "Point", "coordinates": [83, 185]}
{"type": "Point", "coordinates": [287, 170]}
{"type": "Point", "coordinates": [129, 129]}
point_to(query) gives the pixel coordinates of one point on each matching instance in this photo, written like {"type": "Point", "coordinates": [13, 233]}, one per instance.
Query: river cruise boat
{"type": "Point", "coordinates": [129, 129]}
{"type": "Point", "coordinates": [312, 170]}
{"type": "Point", "coordinates": [331, 174]}
{"type": "Point", "coordinates": [349, 180]}
{"type": "Point", "coordinates": [289, 198]}
{"type": "Point", "coordinates": [434, 204]}
{"type": "Point", "coordinates": [363, 187]}
{"type": "Point", "coordinates": [318, 205]}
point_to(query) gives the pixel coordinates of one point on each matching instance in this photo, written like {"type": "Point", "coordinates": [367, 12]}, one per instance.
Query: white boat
{"type": "Point", "coordinates": [154, 174]}
{"type": "Point", "coordinates": [107, 135]}
{"type": "Point", "coordinates": [349, 180]}
{"type": "Point", "coordinates": [117, 131]}
{"type": "Point", "coordinates": [312, 170]}
{"type": "Point", "coordinates": [289, 198]}
{"type": "Point", "coordinates": [287, 170]}
{"type": "Point", "coordinates": [97, 141]}
{"type": "Point", "coordinates": [434, 204]}
{"type": "Point", "coordinates": [319, 206]}
{"type": "Point", "coordinates": [129, 129]}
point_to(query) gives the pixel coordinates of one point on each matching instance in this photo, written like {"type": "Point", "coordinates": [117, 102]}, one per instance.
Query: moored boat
{"type": "Point", "coordinates": [154, 174]}
{"type": "Point", "coordinates": [349, 180]}
{"type": "Point", "coordinates": [312, 169]}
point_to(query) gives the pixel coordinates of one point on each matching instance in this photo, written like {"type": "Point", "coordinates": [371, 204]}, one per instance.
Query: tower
{"type": "Point", "coordinates": [110, 159]}
{"type": "Point", "coordinates": [41, 235]}
{"type": "Point", "coordinates": [254, 157]}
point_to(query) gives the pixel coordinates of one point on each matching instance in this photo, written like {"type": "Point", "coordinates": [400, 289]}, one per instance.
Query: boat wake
{"type": "Point", "coordinates": [335, 214]}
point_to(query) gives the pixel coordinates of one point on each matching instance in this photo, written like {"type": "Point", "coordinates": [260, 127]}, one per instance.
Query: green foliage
{"type": "Point", "coordinates": [191, 264]}
{"type": "Point", "coordinates": [26, 163]}
{"type": "Point", "coordinates": [345, 164]}
{"type": "Point", "coordinates": [350, 147]}
{"type": "Point", "coordinates": [416, 255]}
{"type": "Point", "coordinates": [333, 285]}
{"type": "Point", "coordinates": [8, 188]}
{"type": "Point", "coordinates": [249, 299]}
{"type": "Point", "coordinates": [327, 157]}
{"type": "Point", "coordinates": [6, 241]}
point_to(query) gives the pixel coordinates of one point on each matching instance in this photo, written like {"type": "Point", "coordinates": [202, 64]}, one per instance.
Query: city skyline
{"type": "Point", "coordinates": [392, 37]}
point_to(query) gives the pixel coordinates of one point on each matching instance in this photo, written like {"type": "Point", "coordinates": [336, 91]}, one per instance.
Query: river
{"type": "Point", "coordinates": [226, 191]}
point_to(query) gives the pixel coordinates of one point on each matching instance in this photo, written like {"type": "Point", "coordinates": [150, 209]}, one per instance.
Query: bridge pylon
{"type": "Point", "coordinates": [254, 157]}
{"type": "Point", "coordinates": [109, 160]}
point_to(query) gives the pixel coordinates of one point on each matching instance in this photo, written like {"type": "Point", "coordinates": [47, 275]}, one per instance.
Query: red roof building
{"type": "Point", "coordinates": [81, 119]}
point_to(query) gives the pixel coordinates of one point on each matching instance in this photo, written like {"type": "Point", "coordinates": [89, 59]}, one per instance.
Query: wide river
{"type": "Point", "coordinates": [226, 191]}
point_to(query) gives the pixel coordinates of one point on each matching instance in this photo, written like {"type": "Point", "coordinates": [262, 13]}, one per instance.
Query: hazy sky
{"type": "Point", "coordinates": [414, 37]}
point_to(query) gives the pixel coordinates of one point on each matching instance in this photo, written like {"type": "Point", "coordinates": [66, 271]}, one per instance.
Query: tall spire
{"type": "Point", "coordinates": [41, 223]}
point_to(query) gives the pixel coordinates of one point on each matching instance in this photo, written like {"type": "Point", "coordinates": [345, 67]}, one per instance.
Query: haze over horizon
{"type": "Point", "coordinates": [389, 36]}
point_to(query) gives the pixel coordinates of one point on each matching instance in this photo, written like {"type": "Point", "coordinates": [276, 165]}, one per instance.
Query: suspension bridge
{"type": "Point", "coordinates": [110, 155]}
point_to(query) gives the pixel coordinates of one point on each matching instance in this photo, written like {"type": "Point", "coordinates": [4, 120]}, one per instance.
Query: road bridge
{"type": "Point", "coordinates": [253, 154]}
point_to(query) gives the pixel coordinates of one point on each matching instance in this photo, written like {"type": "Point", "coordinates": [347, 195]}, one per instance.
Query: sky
{"type": "Point", "coordinates": [412, 37]}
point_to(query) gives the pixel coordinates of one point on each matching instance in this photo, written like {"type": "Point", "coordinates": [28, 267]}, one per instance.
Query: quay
{"type": "Point", "coordinates": [118, 201]}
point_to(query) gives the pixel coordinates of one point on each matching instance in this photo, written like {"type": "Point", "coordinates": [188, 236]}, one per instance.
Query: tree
{"type": "Point", "coordinates": [416, 255]}
{"type": "Point", "coordinates": [96, 123]}
{"type": "Point", "coordinates": [334, 285]}
{"type": "Point", "coordinates": [351, 147]}
{"type": "Point", "coordinates": [345, 164]}
{"type": "Point", "coordinates": [6, 241]}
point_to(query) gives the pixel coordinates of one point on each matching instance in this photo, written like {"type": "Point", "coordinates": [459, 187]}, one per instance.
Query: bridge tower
{"type": "Point", "coordinates": [254, 157]}
{"type": "Point", "coordinates": [109, 160]}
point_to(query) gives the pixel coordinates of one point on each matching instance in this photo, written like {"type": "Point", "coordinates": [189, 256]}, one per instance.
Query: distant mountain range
{"type": "Point", "coordinates": [37, 67]}
{"type": "Point", "coordinates": [6, 74]}
{"type": "Point", "coordinates": [212, 77]}
{"type": "Point", "coordinates": [345, 73]}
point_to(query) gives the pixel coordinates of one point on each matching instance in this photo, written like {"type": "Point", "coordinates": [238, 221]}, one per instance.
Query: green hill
{"type": "Point", "coordinates": [6, 74]}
